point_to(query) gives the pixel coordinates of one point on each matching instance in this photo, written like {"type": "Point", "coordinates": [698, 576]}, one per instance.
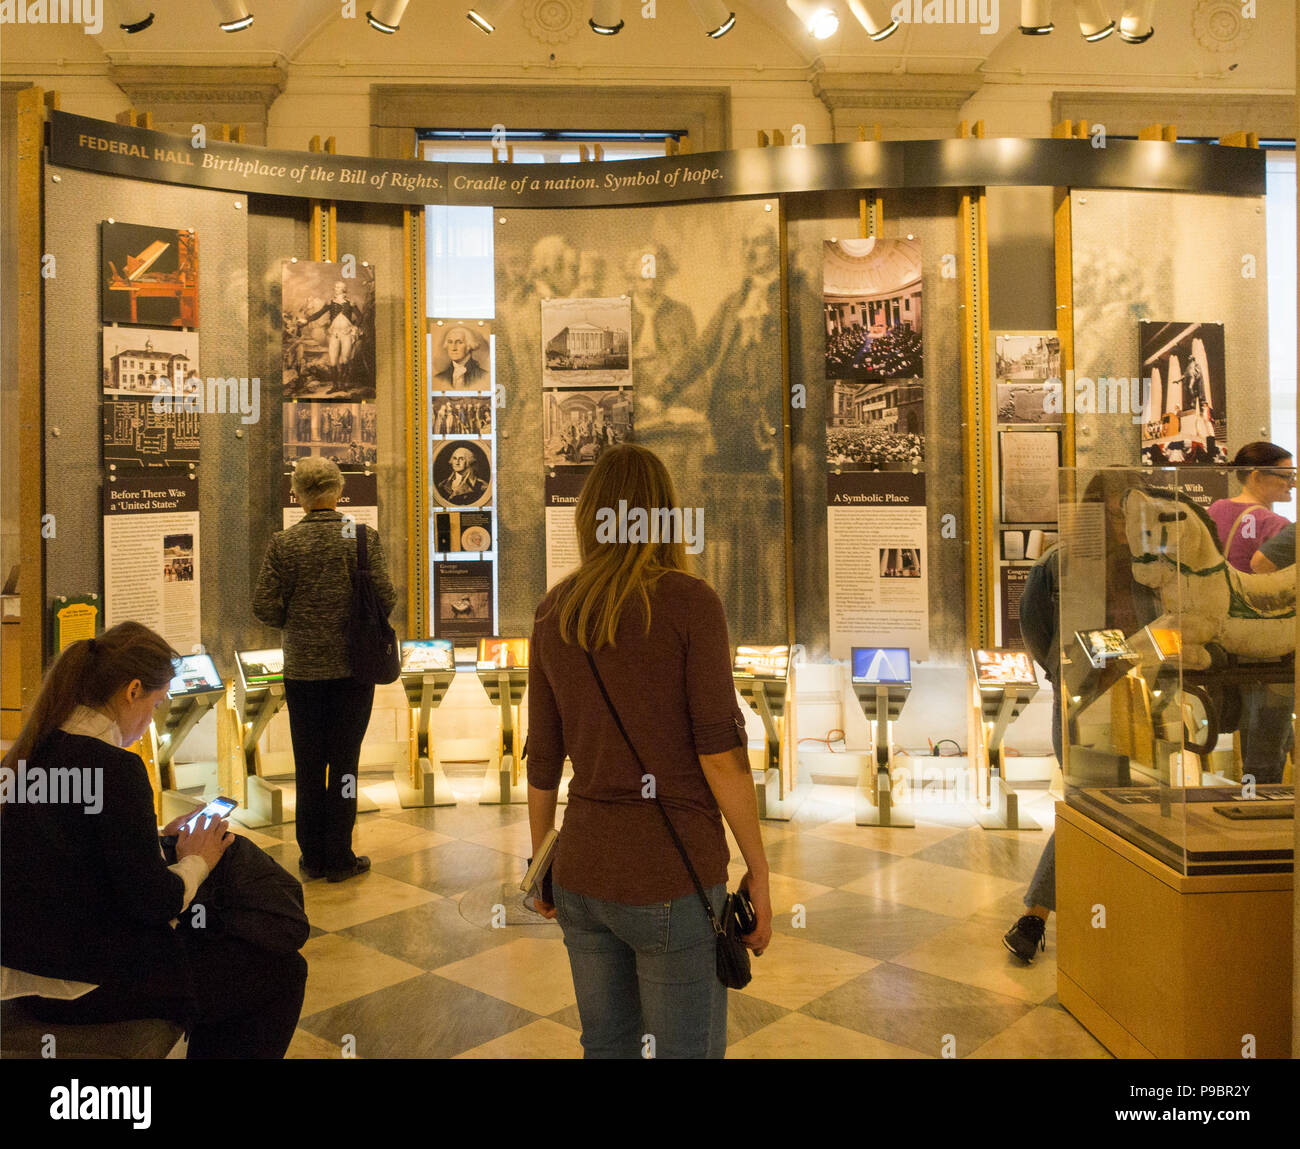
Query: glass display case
{"type": "Point", "coordinates": [1177, 666]}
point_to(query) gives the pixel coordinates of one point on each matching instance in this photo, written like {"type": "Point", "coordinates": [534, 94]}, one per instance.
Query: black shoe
{"type": "Point", "coordinates": [360, 866]}
{"type": "Point", "coordinates": [1026, 937]}
{"type": "Point", "coordinates": [309, 871]}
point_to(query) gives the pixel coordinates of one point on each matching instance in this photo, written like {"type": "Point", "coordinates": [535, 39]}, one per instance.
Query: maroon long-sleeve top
{"type": "Point", "coordinates": [674, 693]}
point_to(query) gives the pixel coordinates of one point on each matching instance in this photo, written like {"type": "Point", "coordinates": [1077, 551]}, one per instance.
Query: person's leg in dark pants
{"type": "Point", "coordinates": [1025, 938]}
{"type": "Point", "coordinates": [1265, 731]}
{"type": "Point", "coordinates": [346, 716]}
{"type": "Point", "coordinates": [309, 717]}
{"type": "Point", "coordinates": [245, 1006]}
{"type": "Point", "coordinates": [249, 999]}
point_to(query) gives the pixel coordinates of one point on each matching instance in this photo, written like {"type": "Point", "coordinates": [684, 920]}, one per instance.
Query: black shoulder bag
{"type": "Point", "coordinates": [732, 956]}
{"type": "Point", "coordinates": [372, 642]}
{"type": "Point", "coordinates": [250, 896]}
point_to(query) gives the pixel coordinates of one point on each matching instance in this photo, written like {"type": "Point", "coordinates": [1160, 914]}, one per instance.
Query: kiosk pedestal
{"type": "Point", "coordinates": [775, 791]}
{"type": "Point", "coordinates": [424, 782]}
{"type": "Point", "coordinates": [171, 727]}
{"type": "Point", "coordinates": [995, 704]}
{"type": "Point", "coordinates": [881, 703]}
{"type": "Point", "coordinates": [501, 782]}
{"type": "Point", "coordinates": [265, 802]}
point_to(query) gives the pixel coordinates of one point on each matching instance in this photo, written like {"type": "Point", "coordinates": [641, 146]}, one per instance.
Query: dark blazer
{"type": "Point", "coordinates": [88, 896]}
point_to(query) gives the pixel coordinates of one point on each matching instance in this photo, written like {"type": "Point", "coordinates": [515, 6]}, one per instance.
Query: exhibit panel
{"type": "Point", "coordinates": [700, 290]}
{"type": "Point", "coordinates": [1167, 258]}
{"type": "Point", "coordinates": [78, 460]}
{"type": "Point", "coordinates": [830, 438]}
{"type": "Point", "coordinates": [706, 383]}
{"type": "Point", "coordinates": [337, 361]}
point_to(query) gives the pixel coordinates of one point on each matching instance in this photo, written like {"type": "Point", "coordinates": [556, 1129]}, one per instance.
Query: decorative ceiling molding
{"type": "Point", "coordinates": [881, 90]}
{"type": "Point", "coordinates": [553, 21]}
{"type": "Point", "coordinates": [1221, 25]}
{"type": "Point", "coordinates": [146, 84]}
{"type": "Point", "coordinates": [179, 97]}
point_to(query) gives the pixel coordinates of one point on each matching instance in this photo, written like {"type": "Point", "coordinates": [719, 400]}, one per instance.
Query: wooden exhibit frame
{"type": "Point", "coordinates": [977, 411]}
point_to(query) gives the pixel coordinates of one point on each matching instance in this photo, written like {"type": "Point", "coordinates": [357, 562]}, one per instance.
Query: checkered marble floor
{"type": "Point", "coordinates": [887, 942]}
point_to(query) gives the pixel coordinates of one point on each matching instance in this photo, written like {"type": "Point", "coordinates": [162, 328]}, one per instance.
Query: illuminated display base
{"type": "Point", "coordinates": [503, 781]}
{"type": "Point", "coordinates": [994, 705]}
{"type": "Point", "coordinates": [881, 704]}
{"type": "Point", "coordinates": [777, 796]}
{"type": "Point", "coordinates": [421, 781]}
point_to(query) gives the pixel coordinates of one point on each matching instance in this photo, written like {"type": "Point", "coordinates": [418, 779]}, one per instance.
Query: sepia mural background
{"type": "Point", "coordinates": [706, 376]}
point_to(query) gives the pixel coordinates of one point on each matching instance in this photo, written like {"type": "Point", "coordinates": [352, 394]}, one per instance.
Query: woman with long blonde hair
{"type": "Point", "coordinates": [633, 623]}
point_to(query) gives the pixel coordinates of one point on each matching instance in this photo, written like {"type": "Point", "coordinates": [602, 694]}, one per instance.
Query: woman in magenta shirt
{"type": "Point", "coordinates": [1246, 520]}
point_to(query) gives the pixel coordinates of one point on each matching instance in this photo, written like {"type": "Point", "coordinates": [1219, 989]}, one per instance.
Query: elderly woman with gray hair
{"type": "Point", "coordinates": [305, 589]}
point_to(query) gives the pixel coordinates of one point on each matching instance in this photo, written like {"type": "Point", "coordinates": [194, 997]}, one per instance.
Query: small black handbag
{"type": "Point", "coordinates": [372, 642]}
{"type": "Point", "coordinates": [732, 956]}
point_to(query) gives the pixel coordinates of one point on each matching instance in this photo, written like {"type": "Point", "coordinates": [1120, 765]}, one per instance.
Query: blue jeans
{"type": "Point", "coordinates": [645, 972]}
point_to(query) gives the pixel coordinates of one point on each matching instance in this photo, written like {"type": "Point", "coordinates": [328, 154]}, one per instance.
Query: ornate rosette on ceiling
{"type": "Point", "coordinates": [552, 21]}
{"type": "Point", "coordinates": [1220, 25]}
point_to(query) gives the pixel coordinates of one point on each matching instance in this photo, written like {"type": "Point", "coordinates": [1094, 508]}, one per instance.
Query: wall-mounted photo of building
{"type": "Point", "coordinates": [1184, 419]}
{"type": "Point", "coordinates": [875, 426]}
{"type": "Point", "coordinates": [1028, 356]}
{"type": "Point", "coordinates": [585, 342]}
{"type": "Point", "coordinates": [149, 361]}
{"type": "Point", "coordinates": [871, 290]}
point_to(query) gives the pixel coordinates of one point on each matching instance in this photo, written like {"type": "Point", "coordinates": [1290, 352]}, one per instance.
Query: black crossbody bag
{"type": "Point", "coordinates": [372, 642]}
{"type": "Point", "coordinates": [732, 956]}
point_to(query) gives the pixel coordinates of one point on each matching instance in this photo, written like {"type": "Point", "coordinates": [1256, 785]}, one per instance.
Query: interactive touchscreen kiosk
{"type": "Point", "coordinates": [762, 677]}
{"type": "Point", "coordinates": [503, 669]}
{"type": "Point", "coordinates": [882, 680]}
{"type": "Point", "coordinates": [194, 690]}
{"type": "Point", "coordinates": [428, 669]}
{"type": "Point", "coordinates": [1003, 683]}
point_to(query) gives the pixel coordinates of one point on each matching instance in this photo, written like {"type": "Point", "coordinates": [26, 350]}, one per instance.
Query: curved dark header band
{"type": "Point", "coordinates": [96, 145]}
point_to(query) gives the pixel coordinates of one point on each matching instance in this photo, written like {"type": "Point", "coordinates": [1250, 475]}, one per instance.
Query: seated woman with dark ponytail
{"type": "Point", "coordinates": [87, 918]}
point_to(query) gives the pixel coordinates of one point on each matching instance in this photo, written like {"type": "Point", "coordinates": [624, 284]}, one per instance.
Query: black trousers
{"type": "Point", "coordinates": [327, 720]}
{"type": "Point", "coordinates": [244, 1004]}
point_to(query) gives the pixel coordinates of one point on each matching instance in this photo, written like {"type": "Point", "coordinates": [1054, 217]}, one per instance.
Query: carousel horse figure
{"type": "Point", "coordinates": [1176, 552]}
